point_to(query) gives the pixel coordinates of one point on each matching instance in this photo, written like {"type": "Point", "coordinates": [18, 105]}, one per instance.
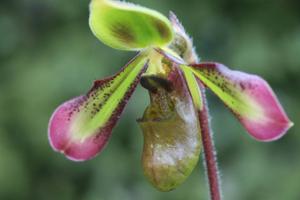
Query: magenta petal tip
{"type": "Point", "coordinates": [271, 122]}
{"type": "Point", "coordinates": [60, 133]}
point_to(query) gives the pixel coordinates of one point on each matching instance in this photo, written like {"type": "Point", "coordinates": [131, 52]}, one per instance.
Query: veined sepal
{"type": "Point", "coordinates": [249, 97]}
{"type": "Point", "coordinates": [127, 26]}
{"type": "Point", "coordinates": [193, 86]}
{"type": "Point", "coordinates": [81, 127]}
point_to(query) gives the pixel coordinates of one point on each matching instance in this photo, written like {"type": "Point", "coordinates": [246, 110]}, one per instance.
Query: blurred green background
{"type": "Point", "coordinates": [48, 55]}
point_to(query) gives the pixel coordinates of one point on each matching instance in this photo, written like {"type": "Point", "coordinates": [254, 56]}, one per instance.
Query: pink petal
{"type": "Point", "coordinates": [81, 127]}
{"type": "Point", "coordinates": [249, 97]}
{"type": "Point", "coordinates": [60, 134]}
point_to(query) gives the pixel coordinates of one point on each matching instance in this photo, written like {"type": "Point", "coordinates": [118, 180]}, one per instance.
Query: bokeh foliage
{"type": "Point", "coordinates": [49, 55]}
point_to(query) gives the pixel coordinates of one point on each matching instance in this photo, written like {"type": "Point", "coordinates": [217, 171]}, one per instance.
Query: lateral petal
{"type": "Point", "coordinates": [80, 127]}
{"type": "Point", "coordinates": [249, 97]}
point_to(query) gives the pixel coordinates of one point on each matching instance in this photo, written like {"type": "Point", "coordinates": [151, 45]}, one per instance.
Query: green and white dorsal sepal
{"type": "Point", "coordinates": [127, 26]}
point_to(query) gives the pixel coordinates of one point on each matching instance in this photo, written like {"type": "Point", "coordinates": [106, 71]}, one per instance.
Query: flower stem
{"type": "Point", "coordinates": [209, 151]}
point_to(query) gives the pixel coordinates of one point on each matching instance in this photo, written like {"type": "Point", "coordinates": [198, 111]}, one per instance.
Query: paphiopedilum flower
{"type": "Point", "coordinates": [168, 67]}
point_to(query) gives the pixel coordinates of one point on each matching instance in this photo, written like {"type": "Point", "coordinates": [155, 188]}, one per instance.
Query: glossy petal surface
{"type": "Point", "coordinates": [80, 128]}
{"type": "Point", "coordinates": [172, 140]}
{"type": "Point", "coordinates": [249, 97]}
{"type": "Point", "coordinates": [127, 26]}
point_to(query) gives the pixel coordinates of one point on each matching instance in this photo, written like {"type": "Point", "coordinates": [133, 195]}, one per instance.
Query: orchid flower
{"type": "Point", "coordinates": [175, 124]}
